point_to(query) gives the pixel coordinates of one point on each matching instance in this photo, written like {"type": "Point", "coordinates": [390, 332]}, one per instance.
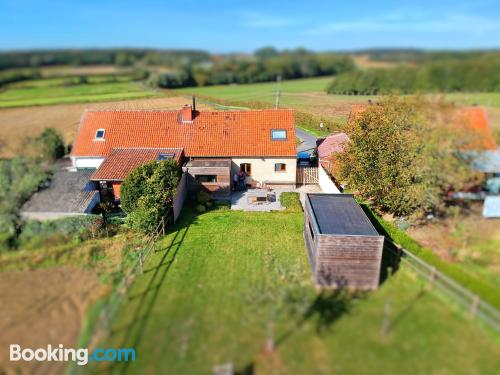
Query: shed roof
{"type": "Point", "coordinates": [122, 161]}
{"type": "Point", "coordinates": [340, 214]}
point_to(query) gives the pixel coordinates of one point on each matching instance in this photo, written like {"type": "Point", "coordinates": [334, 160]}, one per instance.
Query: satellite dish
{"type": "Point", "coordinates": [321, 125]}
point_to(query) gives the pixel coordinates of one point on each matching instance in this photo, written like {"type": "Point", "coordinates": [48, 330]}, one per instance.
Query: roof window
{"type": "Point", "coordinates": [99, 134]}
{"type": "Point", "coordinates": [278, 135]}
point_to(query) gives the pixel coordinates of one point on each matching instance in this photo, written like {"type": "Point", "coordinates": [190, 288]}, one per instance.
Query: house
{"type": "Point", "coordinates": [343, 247]}
{"type": "Point", "coordinates": [259, 142]}
{"type": "Point", "coordinates": [327, 148]}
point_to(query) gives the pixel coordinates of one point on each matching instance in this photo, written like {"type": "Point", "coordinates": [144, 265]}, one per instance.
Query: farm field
{"type": "Point", "coordinates": [220, 283]}
{"type": "Point", "coordinates": [16, 124]}
{"type": "Point", "coordinates": [306, 95]}
{"type": "Point", "coordinates": [80, 93]}
{"type": "Point", "coordinates": [471, 240]}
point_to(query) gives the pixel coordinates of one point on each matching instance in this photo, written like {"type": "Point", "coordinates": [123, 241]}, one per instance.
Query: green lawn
{"type": "Point", "coordinates": [40, 94]}
{"type": "Point", "coordinates": [220, 281]}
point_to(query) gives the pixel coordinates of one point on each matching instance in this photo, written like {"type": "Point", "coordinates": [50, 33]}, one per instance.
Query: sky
{"type": "Point", "coordinates": [223, 26]}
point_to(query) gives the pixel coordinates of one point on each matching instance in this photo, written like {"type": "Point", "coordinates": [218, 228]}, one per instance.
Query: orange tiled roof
{"type": "Point", "coordinates": [122, 161]}
{"type": "Point", "coordinates": [475, 117]}
{"type": "Point", "coordinates": [212, 133]}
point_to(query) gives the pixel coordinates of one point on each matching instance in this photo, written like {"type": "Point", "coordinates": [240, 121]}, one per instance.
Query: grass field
{"type": "Point", "coordinates": [60, 94]}
{"type": "Point", "coordinates": [222, 282]}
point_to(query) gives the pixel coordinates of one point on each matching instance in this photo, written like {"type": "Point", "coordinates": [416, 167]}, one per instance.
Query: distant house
{"type": "Point", "coordinates": [261, 143]}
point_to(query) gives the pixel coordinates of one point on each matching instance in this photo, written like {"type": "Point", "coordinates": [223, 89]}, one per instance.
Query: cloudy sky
{"type": "Point", "coordinates": [225, 26]}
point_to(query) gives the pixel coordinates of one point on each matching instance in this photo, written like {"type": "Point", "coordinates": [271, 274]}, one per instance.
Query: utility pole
{"type": "Point", "coordinates": [278, 93]}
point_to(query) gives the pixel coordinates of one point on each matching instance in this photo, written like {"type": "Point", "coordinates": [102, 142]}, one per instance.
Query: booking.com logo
{"type": "Point", "coordinates": [61, 354]}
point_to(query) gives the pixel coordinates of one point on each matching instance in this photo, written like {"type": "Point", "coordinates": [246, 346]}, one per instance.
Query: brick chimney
{"type": "Point", "coordinates": [187, 113]}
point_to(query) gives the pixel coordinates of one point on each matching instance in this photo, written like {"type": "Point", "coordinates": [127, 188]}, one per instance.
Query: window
{"type": "Point", "coordinates": [165, 156]}
{"type": "Point", "coordinates": [203, 178]}
{"type": "Point", "coordinates": [99, 134]}
{"type": "Point", "coordinates": [280, 167]}
{"type": "Point", "coordinates": [246, 167]}
{"type": "Point", "coordinates": [278, 135]}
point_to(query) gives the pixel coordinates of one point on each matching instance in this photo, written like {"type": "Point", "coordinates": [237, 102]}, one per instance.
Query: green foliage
{"type": "Point", "coordinates": [51, 143]}
{"type": "Point", "coordinates": [402, 155]}
{"type": "Point", "coordinates": [291, 201]}
{"type": "Point", "coordinates": [35, 234]}
{"type": "Point", "coordinates": [200, 208]}
{"type": "Point", "coordinates": [445, 76]}
{"type": "Point", "coordinates": [19, 179]}
{"type": "Point", "coordinates": [203, 197]}
{"type": "Point", "coordinates": [147, 193]}
{"type": "Point", "coordinates": [16, 75]}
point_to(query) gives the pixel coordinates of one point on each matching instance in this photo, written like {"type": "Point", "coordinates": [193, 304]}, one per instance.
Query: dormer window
{"type": "Point", "coordinates": [99, 134]}
{"type": "Point", "coordinates": [278, 135]}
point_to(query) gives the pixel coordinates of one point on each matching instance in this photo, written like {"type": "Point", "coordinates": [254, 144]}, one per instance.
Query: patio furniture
{"type": "Point", "coordinates": [260, 197]}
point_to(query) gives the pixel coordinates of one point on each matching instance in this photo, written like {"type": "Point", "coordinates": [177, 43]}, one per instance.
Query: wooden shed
{"type": "Point", "coordinates": [210, 174]}
{"type": "Point", "coordinates": [344, 248]}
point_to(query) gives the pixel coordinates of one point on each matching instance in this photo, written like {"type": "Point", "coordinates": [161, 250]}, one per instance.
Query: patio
{"type": "Point", "coordinates": [265, 200]}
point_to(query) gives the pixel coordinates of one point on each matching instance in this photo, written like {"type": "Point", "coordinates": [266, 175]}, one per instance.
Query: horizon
{"type": "Point", "coordinates": [223, 27]}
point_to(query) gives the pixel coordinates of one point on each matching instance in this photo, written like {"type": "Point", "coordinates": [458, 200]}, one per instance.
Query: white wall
{"type": "Point", "coordinates": [325, 182]}
{"type": "Point", "coordinates": [180, 196]}
{"type": "Point", "coordinates": [263, 169]}
{"type": "Point", "coordinates": [86, 162]}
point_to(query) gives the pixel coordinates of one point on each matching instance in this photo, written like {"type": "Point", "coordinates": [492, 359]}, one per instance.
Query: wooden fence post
{"type": "Point", "coordinates": [473, 307]}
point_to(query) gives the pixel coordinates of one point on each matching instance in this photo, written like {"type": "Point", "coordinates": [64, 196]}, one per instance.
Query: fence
{"type": "Point", "coordinates": [307, 175]}
{"type": "Point", "coordinates": [114, 301]}
{"type": "Point", "coordinates": [470, 302]}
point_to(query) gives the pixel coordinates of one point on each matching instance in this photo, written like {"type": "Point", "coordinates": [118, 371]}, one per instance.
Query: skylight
{"type": "Point", "coordinates": [278, 135]}
{"type": "Point", "coordinates": [99, 134]}
{"type": "Point", "coordinates": [165, 156]}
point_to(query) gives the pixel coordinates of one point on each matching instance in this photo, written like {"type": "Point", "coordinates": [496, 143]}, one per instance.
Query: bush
{"type": "Point", "coordinates": [51, 144]}
{"type": "Point", "coordinates": [147, 193]}
{"type": "Point", "coordinates": [291, 201]}
{"type": "Point", "coordinates": [200, 208]}
{"type": "Point", "coordinates": [203, 197]}
{"type": "Point", "coordinates": [34, 233]}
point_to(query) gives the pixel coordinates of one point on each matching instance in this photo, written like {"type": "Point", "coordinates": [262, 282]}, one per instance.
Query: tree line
{"type": "Point", "coordinates": [481, 75]}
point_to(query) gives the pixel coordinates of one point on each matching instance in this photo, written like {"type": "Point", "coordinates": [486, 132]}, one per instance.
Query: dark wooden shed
{"type": "Point", "coordinates": [210, 174]}
{"type": "Point", "coordinates": [344, 248]}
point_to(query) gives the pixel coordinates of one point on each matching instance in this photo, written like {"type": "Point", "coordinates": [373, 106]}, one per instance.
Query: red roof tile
{"type": "Point", "coordinates": [122, 161]}
{"type": "Point", "coordinates": [332, 144]}
{"type": "Point", "coordinates": [211, 133]}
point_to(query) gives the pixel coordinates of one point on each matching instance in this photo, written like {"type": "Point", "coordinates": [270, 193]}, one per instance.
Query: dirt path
{"type": "Point", "coordinates": [42, 307]}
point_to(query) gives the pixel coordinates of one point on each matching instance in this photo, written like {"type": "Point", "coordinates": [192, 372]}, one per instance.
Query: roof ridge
{"type": "Point", "coordinates": [204, 111]}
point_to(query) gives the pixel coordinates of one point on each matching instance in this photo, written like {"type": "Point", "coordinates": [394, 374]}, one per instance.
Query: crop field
{"type": "Point", "coordinates": [17, 124]}
{"type": "Point", "coordinates": [222, 284]}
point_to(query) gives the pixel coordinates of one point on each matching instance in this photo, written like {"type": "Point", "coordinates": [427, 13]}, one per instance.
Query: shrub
{"type": "Point", "coordinates": [203, 197]}
{"type": "Point", "coordinates": [291, 201]}
{"type": "Point", "coordinates": [200, 208]}
{"type": "Point", "coordinates": [147, 193]}
{"type": "Point", "coordinates": [51, 144]}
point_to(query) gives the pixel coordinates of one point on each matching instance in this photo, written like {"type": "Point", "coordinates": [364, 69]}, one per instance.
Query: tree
{"type": "Point", "coordinates": [402, 155]}
{"type": "Point", "coordinates": [147, 193]}
{"type": "Point", "coordinates": [51, 144]}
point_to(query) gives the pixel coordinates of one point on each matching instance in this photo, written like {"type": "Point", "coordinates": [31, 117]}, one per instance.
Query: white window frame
{"type": "Point", "coordinates": [273, 138]}
{"type": "Point", "coordinates": [103, 135]}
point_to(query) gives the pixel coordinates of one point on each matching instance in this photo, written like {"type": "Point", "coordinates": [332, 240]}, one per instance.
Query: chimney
{"type": "Point", "coordinates": [187, 113]}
